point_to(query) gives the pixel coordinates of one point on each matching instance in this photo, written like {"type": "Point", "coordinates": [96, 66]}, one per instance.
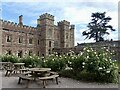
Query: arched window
{"type": "Point", "coordinates": [49, 32]}
{"type": "Point", "coordinates": [49, 43]}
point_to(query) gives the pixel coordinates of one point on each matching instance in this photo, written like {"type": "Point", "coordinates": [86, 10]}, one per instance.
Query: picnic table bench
{"type": "Point", "coordinates": [24, 77]}
{"type": "Point", "coordinates": [48, 78]}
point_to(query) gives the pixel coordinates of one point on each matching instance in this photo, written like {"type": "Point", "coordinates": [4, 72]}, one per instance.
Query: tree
{"type": "Point", "coordinates": [98, 27]}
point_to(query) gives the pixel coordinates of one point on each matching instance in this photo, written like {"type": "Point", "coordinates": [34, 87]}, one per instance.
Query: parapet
{"type": "Point", "coordinates": [15, 25]}
{"type": "Point", "coordinates": [72, 26]}
{"type": "Point", "coordinates": [64, 22]}
{"type": "Point", "coordinates": [47, 16]}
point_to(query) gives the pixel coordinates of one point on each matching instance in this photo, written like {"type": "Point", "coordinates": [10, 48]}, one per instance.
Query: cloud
{"type": "Point", "coordinates": [58, 1]}
{"type": "Point", "coordinates": [77, 12]}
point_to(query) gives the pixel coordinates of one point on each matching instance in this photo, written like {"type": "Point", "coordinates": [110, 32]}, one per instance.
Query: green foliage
{"type": "Point", "coordinates": [118, 64]}
{"type": "Point", "coordinates": [54, 62]}
{"type": "Point", "coordinates": [98, 27]}
{"type": "Point", "coordinates": [94, 65]}
{"type": "Point", "coordinates": [75, 62]}
{"type": "Point", "coordinates": [68, 73]}
{"type": "Point", "coordinates": [9, 58]}
{"type": "Point", "coordinates": [89, 64]}
{"type": "Point", "coordinates": [34, 61]}
{"type": "Point", "coordinates": [100, 63]}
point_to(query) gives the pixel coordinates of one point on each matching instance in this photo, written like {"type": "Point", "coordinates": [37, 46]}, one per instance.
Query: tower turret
{"type": "Point", "coordinates": [21, 19]}
{"type": "Point", "coordinates": [64, 33]}
{"type": "Point", "coordinates": [46, 27]}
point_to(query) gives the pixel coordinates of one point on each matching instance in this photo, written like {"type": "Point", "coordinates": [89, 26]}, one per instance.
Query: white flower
{"type": "Point", "coordinates": [72, 57]}
{"type": "Point", "coordinates": [87, 56]}
{"type": "Point", "coordinates": [83, 63]}
{"type": "Point", "coordinates": [104, 67]}
{"type": "Point", "coordinates": [70, 62]}
{"type": "Point", "coordinates": [107, 50]}
{"type": "Point", "coordinates": [84, 48]}
{"type": "Point", "coordinates": [107, 71]}
{"type": "Point", "coordinates": [115, 60]}
{"type": "Point", "coordinates": [88, 50]}
{"type": "Point", "coordinates": [83, 66]}
{"type": "Point", "coordinates": [91, 63]}
{"type": "Point", "coordinates": [100, 68]}
{"type": "Point", "coordinates": [105, 59]}
{"type": "Point", "coordinates": [95, 52]}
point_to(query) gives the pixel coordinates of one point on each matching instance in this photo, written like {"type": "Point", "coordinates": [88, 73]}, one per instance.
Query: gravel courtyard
{"type": "Point", "coordinates": [11, 82]}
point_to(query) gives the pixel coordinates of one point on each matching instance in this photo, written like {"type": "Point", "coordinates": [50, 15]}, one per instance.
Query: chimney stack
{"type": "Point", "coordinates": [21, 19]}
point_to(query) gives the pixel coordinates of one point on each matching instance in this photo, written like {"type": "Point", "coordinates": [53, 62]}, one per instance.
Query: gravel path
{"type": "Point", "coordinates": [11, 82]}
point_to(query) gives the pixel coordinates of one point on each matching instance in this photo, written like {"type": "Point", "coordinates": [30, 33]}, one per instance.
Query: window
{"type": "Point", "coordinates": [66, 45]}
{"type": "Point", "coordinates": [55, 43]}
{"type": "Point", "coordinates": [50, 33]}
{"type": "Point", "coordinates": [9, 38]}
{"type": "Point", "coordinates": [38, 53]}
{"type": "Point", "coordinates": [30, 41]}
{"type": "Point", "coordinates": [49, 43]}
{"type": "Point", "coordinates": [20, 39]}
{"type": "Point", "coordinates": [30, 53]}
{"type": "Point", "coordinates": [20, 54]}
{"type": "Point", "coordinates": [38, 42]}
{"type": "Point", "coordinates": [9, 52]}
{"type": "Point", "coordinates": [66, 35]}
{"type": "Point", "coordinates": [49, 51]}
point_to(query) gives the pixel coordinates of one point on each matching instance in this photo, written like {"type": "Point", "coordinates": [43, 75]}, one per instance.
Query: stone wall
{"type": "Point", "coordinates": [48, 35]}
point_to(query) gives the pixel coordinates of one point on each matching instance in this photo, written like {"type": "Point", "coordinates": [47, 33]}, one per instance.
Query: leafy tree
{"type": "Point", "coordinates": [98, 27]}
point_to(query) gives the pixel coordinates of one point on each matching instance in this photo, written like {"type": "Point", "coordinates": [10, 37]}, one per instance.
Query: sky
{"type": "Point", "coordinates": [77, 12]}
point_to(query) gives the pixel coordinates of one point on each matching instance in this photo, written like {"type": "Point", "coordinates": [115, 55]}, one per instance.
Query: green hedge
{"type": "Point", "coordinates": [89, 64]}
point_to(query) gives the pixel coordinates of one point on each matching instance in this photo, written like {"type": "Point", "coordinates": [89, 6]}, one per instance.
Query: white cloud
{"type": "Point", "coordinates": [77, 15]}
{"type": "Point", "coordinates": [78, 12]}
{"type": "Point", "coordinates": [59, 1]}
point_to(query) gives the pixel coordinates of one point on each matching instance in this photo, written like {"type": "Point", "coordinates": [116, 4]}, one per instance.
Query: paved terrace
{"type": "Point", "coordinates": [11, 82]}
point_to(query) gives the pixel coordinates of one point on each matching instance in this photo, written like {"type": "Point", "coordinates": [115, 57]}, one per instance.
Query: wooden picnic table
{"type": "Point", "coordinates": [18, 66]}
{"type": "Point", "coordinates": [39, 72]}
{"type": "Point", "coordinates": [40, 69]}
{"type": "Point", "coordinates": [4, 65]}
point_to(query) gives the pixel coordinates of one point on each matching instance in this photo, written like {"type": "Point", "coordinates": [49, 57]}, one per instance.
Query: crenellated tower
{"type": "Point", "coordinates": [19, 39]}
{"type": "Point", "coordinates": [72, 28]}
{"type": "Point", "coordinates": [46, 28]}
{"type": "Point", "coordinates": [65, 34]}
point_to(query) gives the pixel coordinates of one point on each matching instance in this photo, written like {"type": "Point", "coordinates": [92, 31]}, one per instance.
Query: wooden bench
{"type": "Point", "coordinates": [24, 77]}
{"type": "Point", "coordinates": [44, 79]}
{"type": "Point", "coordinates": [9, 70]}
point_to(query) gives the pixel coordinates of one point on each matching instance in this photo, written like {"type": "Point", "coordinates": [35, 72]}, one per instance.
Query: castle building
{"type": "Point", "coordinates": [19, 39]}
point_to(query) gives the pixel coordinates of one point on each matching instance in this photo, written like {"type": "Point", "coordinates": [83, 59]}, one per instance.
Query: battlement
{"type": "Point", "coordinates": [72, 26]}
{"type": "Point", "coordinates": [64, 22]}
{"type": "Point", "coordinates": [47, 16]}
{"type": "Point", "coordinates": [12, 24]}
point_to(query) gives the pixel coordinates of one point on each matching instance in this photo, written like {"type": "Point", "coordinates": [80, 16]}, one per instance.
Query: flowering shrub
{"type": "Point", "coordinates": [32, 61]}
{"type": "Point", "coordinates": [100, 63]}
{"type": "Point", "coordinates": [76, 62]}
{"type": "Point", "coordinates": [9, 58]}
{"type": "Point", "coordinates": [89, 64]}
{"type": "Point", "coordinates": [54, 62]}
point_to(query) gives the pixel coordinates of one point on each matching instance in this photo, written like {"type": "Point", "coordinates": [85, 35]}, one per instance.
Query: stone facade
{"type": "Point", "coordinates": [19, 39]}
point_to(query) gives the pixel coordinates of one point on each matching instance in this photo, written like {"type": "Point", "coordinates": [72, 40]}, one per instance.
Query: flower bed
{"type": "Point", "coordinates": [89, 64]}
